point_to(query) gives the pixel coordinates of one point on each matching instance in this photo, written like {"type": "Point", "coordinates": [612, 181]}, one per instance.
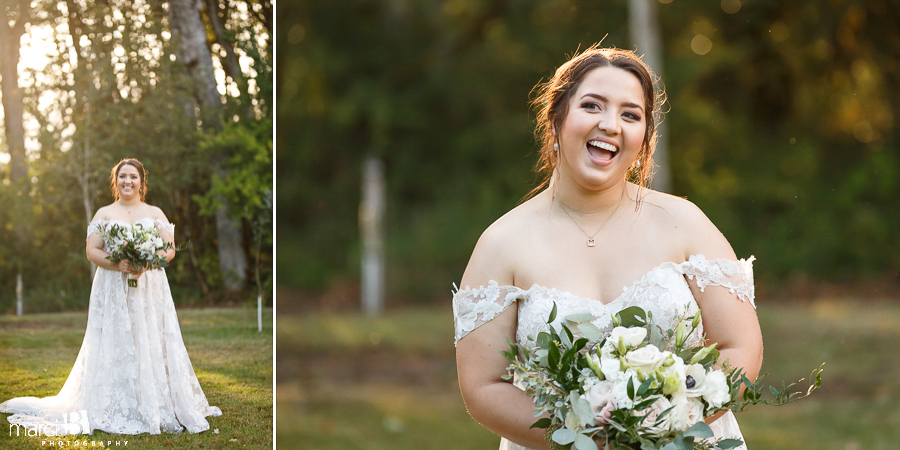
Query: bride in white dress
{"type": "Point", "coordinates": [595, 239]}
{"type": "Point", "coordinates": [133, 374]}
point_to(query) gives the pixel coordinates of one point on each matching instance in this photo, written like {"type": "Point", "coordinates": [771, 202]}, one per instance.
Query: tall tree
{"type": "Point", "coordinates": [189, 34]}
{"type": "Point", "coordinates": [15, 15]}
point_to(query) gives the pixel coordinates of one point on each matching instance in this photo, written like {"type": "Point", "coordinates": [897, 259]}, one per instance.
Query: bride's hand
{"type": "Point", "coordinates": [123, 266]}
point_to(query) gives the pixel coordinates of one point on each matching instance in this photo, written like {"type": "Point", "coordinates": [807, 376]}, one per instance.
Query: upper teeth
{"type": "Point", "coordinates": [604, 146]}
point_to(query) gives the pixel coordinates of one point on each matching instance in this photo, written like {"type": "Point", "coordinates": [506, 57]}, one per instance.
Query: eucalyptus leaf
{"type": "Point", "coordinates": [590, 331]}
{"type": "Point", "coordinates": [699, 430]}
{"type": "Point", "coordinates": [563, 436]}
{"type": "Point", "coordinates": [684, 443]}
{"type": "Point", "coordinates": [543, 339]}
{"type": "Point", "coordinates": [583, 442]}
{"type": "Point", "coordinates": [725, 444]}
{"type": "Point", "coordinates": [566, 337]}
{"type": "Point", "coordinates": [633, 316]}
{"type": "Point", "coordinates": [581, 408]}
{"type": "Point", "coordinates": [656, 338]}
{"type": "Point", "coordinates": [580, 317]}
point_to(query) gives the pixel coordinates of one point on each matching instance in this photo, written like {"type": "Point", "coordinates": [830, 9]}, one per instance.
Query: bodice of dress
{"type": "Point", "coordinates": [663, 291]}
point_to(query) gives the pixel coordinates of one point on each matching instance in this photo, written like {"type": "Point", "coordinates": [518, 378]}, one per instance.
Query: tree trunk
{"type": "Point", "coordinates": [9, 86]}
{"type": "Point", "coordinates": [189, 35]}
{"type": "Point", "coordinates": [645, 36]}
{"type": "Point", "coordinates": [230, 64]}
{"type": "Point", "coordinates": [13, 108]}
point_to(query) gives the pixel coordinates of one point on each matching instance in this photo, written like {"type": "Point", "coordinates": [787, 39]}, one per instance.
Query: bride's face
{"type": "Point", "coordinates": [602, 133]}
{"type": "Point", "coordinates": [128, 182]}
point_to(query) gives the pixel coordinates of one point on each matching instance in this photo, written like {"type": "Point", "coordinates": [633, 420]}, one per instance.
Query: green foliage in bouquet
{"type": "Point", "coordinates": [644, 408]}
{"type": "Point", "coordinates": [140, 245]}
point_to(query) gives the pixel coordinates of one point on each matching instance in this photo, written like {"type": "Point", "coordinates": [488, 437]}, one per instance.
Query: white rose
{"type": "Point", "coordinates": [602, 401]}
{"type": "Point", "coordinates": [632, 337]}
{"type": "Point", "coordinates": [715, 390]}
{"type": "Point", "coordinates": [687, 412]}
{"type": "Point", "coordinates": [695, 380]}
{"type": "Point", "coordinates": [665, 424]}
{"type": "Point", "coordinates": [645, 359]}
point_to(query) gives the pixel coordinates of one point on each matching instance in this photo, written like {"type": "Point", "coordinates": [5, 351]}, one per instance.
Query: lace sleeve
{"type": "Point", "coordinates": [92, 227]}
{"type": "Point", "coordinates": [162, 225]}
{"type": "Point", "coordinates": [736, 276]}
{"type": "Point", "coordinates": [473, 308]}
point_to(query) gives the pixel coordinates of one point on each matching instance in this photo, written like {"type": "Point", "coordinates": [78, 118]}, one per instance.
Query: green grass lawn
{"type": "Point", "coordinates": [347, 382]}
{"type": "Point", "coordinates": [231, 359]}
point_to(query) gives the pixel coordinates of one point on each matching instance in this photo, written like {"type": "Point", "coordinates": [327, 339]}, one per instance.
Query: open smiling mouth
{"type": "Point", "coordinates": [602, 152]}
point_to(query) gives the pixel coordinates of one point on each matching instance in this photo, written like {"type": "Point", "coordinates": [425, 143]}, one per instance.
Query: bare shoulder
{"type": "Point", "coordinates": [102, 214]}
{"type": "Point", "coordinates": [689, 224]}
{"type": "Point", "coordinates": [157, 213]}
{"type": "Point", "coordinates": [494, 256]}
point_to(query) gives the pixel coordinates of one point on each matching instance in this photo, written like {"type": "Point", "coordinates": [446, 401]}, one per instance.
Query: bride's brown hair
{"type": "Point", "coordinates": [141, 173]}
{"type": "Point", "coordinates": [552, 104]}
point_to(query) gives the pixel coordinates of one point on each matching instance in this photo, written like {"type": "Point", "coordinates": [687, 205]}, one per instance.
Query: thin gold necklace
{"type": "Point", "coordinates": [590, 241]}
{"type": "Point", "coordinates": [129, 210]}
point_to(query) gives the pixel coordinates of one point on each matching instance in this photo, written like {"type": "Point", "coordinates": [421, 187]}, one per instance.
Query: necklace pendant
{"type": "Point", "coordinates": [590, 242]}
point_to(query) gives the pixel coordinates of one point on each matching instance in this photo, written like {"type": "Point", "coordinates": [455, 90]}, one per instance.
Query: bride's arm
{"type": "Point", "coordinates": [96, 255]}
{"type": "Point", "coordinates": [164, 233]}
{"type": "Point", "coordinates": [492, 401]}
{"type": "Point", "coordinates": [728, 319]}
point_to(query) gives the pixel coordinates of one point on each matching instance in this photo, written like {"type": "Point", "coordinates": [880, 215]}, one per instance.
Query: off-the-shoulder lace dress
{"type": "Point", "coordinates": [133, 374]}
{"type": "Point", "coordinates": [664, 291]}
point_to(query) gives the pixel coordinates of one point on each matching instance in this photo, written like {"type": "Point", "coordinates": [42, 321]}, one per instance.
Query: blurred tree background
{"type": "Point", "coordinates": [783, 126]}
{"type": "Point", "coordinates": [100, 81]}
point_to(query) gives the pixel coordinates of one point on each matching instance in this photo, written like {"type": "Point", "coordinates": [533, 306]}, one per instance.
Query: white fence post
{"type": "Point", "coordinates": [19, 294]}
{"type": "Point", "coordinates": [371, 218]}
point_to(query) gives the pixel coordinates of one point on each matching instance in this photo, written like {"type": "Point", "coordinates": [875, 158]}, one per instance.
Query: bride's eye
{"type": "Point", "coordinates": [591, 106]}
{"type": "Point", "coordinates": [632, 116]}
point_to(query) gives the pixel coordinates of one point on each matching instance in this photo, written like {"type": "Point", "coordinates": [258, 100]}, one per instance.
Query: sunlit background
{"type": "Point", "coordinates": [97, 82]}
{"type": "Point", "coordinates": [782, 126]}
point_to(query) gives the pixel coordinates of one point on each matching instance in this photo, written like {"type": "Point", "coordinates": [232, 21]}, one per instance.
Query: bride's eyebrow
{"type": "Point", "coordinates": [606, 100]}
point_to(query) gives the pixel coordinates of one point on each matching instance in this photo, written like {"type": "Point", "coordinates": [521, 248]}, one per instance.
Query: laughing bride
{"type": "Point", "coordinates": [594, 239]}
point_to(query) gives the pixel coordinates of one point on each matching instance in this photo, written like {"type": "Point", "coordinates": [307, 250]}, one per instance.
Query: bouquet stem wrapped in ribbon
{"type": "Point", "coordinates": [640, 387]}
{"type": "Point", "coordinates": [140, 244]}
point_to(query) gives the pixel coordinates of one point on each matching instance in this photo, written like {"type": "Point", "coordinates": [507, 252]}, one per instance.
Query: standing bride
{"type": "Point", "coordinates": [595, 240]}
{"type": "Point", "coordinates": [133, 374]}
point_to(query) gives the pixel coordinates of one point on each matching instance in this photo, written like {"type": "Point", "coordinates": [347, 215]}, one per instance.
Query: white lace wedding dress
{"type": "Point", "coordinates": [133, 374]}
{"type": "Point", "coordinates": [664, 291]}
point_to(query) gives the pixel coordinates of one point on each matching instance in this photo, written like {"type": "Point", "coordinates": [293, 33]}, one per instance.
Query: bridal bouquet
{"type": "Point", "coordinates": [641, 387]}
{"type": "Point", "coordinates": [139, 244]}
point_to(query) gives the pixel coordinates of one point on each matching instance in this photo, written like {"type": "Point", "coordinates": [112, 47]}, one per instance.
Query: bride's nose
{"type": "Point", "coordinates": [608, 123]}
